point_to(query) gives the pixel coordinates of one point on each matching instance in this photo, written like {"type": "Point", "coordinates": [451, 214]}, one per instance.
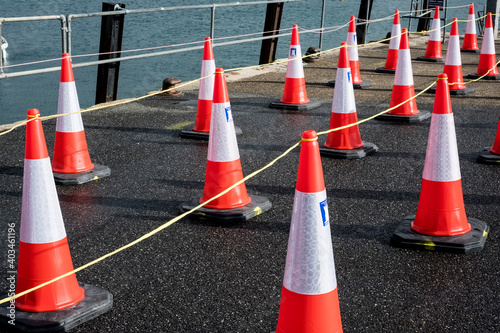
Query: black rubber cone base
{"type": "Point", "coordinates": [190, 134]}
{"type": "Point", "coordinates": [99, 171]}
{"type": "Point", "coordinates": [241, 214]}
{"type": "Point", "coordinates": [487, 77]}
{"type": "Point", "coordinates": [349, 154]}
{"type": "Point", "coordinates": [362, 85]}
{"type": "Point", "coordinates": [422, 58]}
{"type": "Point", "coordinates": [295, 107]}
{"type": "Point", "coordinates": [473, 241]}
{"type": "Point", "coordinates": [487, 157]}
{"type": "Point", "coordinates": [471, 51]}
{"type": "Point", "coordinates": [421, 116]}
{"type": "Point", "coordinates": [384, 70]}
{"type": "Point", "coordinates": [96, 302]}
{"type": "Point", "coordinates": [461, 92]}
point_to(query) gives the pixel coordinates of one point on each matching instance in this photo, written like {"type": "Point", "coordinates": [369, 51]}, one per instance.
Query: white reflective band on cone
{"type": "Point", "coordinates": [343, 95]}
{"type": "Point", "coordinates": [435, 31]}
{"type": "Point", "coordinates": [396, 31]}
{"type": "Point", "coordinates": [488, 46]}
{"type": "Point", "coordinates": [404, 74]}
{"type": "Point", "coordinates": [352, 50]}
{"type": "Point", "coordinates": [68, 102]}
{"type": "Point", "coordinates": [310, 268]}
{"type": "Point", "coordinates": [453, 57]}
{"type": "Point", "coordinates": [471, 25]}
{"type": "Point", "coordinates": [206, 91]}
{"type": "Point", "coordinates": [294, 68]}
{"type": "Point", "coordinates": [222, 145]}
{"type": "Point", "coordinates": [41, 218]}
{"type": "Point", "coordinates": [441, 158]}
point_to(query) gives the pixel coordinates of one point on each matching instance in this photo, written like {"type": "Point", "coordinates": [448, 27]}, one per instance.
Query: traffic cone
{"type": "Point", "coordinates": [433, 51]}
{"type": "Point", "coordinates": [224, 167]}
{"type": "Point", "coordinates": [295, 95]}
{"type": "Point", "coordinates": [487, 60]}
{"type": "Point", "coordinates": [352, 51]}
{"type": "Point", "coordinates": [309, 297]}
{"type": "Point", "coordinates": [44, 252]}
{"type": "Point", "coordinates": [470, 37]}
{"type": "Point", "coordinates": [392, 54]}
{"type": "Point", "coordinates": [71, 163]}
{"type": "Point", "coordinates": [440, 222]}
{"type": "Point", "coordinates": [403, 89]}
{"type": "Point", "coordinates": [345, 143]}
{"type": "Point", "coordinates": [453, 64]}
{"type": "Point", "coordinates": [492, 155]}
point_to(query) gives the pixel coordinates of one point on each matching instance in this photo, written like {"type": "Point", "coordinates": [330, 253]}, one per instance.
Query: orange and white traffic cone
{"type": "Point", "coordinates": [488, 59]}
{"type": "Point", "coordinates": [392, 54]}
{"type": "Point", "coordinates": [403, 89]}
{"type": "Point", "coordinates": [352, 51]}
{"type": "Point", "coordinates": [453, 64]}
{"type": "Point", "coordinates": [71, 163]}
{"type": "Point", "coordinates": [224, 167]}
{"type": "Point", "coordinates": [433, 51]}
{"type": "Point", "coordinates": [44, 252]}
{"type": "Point", "coordinates": [440, 222]}
{"type": "Point", "coordinates": [295, 94]}
{"type": "Point", "coordinates": [309, 296]}
{"type": "Point", "coordinates": [492, 155]}
{"type": "Point", "coordinates": [470, 38]}
{"type": "Point", "coordinates": [345, 143]}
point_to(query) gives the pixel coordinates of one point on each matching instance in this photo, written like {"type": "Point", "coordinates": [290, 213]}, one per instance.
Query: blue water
{"type": "Point", "coordinates": [33, 41]}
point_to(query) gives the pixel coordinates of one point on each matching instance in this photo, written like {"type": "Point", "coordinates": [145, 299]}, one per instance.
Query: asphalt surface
{"type": "Point", "coordinates": [199, 276]}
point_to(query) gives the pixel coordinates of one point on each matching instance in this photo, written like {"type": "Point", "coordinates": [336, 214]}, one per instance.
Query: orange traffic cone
{"type": "Point", "coordinates": [433, 51]}
{"type": "Point", "coordinates": [295, 95]}
{"type": "Point", "coordinates": [345, 143]}
{"type": "Point", "coordinates": [71, 161]}
{"type": "Point", "coordinates": [440, 222]}
{"type": "Point", "coordinates": [492, 155]}
{"type": "Point", "coordinates": [309, 297]}
{"type": "Point", "coordinates": [453, 64]}
{"type": "Point", "coordinates": [392, 54]}
{"type": "Point", "coordinates": [403, 89]}
{"type": "Point", "coordinates": [470, 37]}
{"type": "Point", "coordinates": [488, 59]}
{"type": "Point", "coordinates": [44, 251]}
{"type": "Point", "coordinates": [224, 167]}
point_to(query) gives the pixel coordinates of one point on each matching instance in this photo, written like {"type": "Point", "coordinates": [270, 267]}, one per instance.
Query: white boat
{"type": "Point", "coordinates": [5, 45]}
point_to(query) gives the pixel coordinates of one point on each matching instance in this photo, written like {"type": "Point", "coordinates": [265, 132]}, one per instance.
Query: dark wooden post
{"type": "Point", "coordinates": [271, 27]}
{"type": "Point", "coordinates": [365, 11]}
{"type": "Point", "coordinates": [111, 41]}
{"type": "Point", "coordinates": [423, 23]}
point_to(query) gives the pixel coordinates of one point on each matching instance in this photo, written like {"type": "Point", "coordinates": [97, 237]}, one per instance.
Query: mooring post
{"type": "Point", "coordinates": [110, 44]}
{"type": "Point", "coordinates": [271, 27]}
{"type": "Point", "coordinates": [365, 10]}
{"type": "Point", "coordinates": [493, 6]}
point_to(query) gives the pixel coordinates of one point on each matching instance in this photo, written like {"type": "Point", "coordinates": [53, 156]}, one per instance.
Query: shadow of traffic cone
{"type": "Point", "coordinates": [433, 50]}
{"type": "Point", "coordinates": [470, 38]}
{"type": "Point", "coordinates": [392, 53]}
{"type": "Point", "coordinates": [224, 167]}
{"type": "Point", "coordinates": [352, 51]}
{"type": "Point", "coordinates": [71, 163]}
{"type": "Point", "coordinates": [403, 89]}
{"type": "Point", "coordinates": [488, 59]}
{"type": "Point", "coordinates": [294, 94]}
{"type": "Point", "coordinates": [309, 296]}
{"type": "Point", "coordinates": [44, 252]}
{"type": "Point", "coordinates": [491, 155]}
{"type": "Point", "coordinates": [453, 64]}
{"type": "Point", "coordinates": [440, 222]}
{"type": "Point", "coordinates": [345, 143]}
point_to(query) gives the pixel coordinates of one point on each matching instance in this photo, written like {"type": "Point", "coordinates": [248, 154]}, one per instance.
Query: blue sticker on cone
{"type": "Point", "coordinates": [324, 212]}
{"type": "Point", "coordinates": [293, 52]}
{"type": "Point", "coordinates": [229, 115]}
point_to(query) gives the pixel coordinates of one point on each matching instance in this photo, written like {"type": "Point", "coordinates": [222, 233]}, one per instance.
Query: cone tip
{"type": "Point", "coordinates": [66, 69]}
{"type": "Point", "coordinates": [352, 24]}
{"type": "Point", "coordinates": [33, 113]}
{"type": "Point", "coordinates": [219, 70]}
{"type": "Point", "coordinates": [489, 22]}
{"type": "Point", "coordinates": [442, 76]}
{"type": "Point", "coordinates": [454, 27]}
{"type": "Point", "coordinates": [471, 8]}
{"type": "Point", "coordinates": [207, 38]}
{"type": "Point", "coordinates": [396, 17]}
{"type": "Point", "coordinates": [436, 12]}
{"type": "Point", "coordinates": [309, 135]}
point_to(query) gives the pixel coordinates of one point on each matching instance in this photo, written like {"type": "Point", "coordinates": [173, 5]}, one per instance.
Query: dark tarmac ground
{"type": "Point", "coordinates": [199, 276]}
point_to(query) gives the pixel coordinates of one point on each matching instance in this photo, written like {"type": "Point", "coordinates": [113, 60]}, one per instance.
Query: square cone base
{"type": "Point", "coordinates": [422, 58]}
{"type": "Point", "coordinates": [99, 171]}
{"type": "Point", "coordinates": [471, 51]}
{"type": "Point", "coordinates": [473, 241]}
{"type": "Point", "coordinates": [96, 302]}
{"type": "Point", "coordinates": [295, 107]}
{"type": "Point", "coordinates": [455, 92]}
{"type": "Point", "coordinates": [414, 118]}
{"type": "Point", "coordinates": [362, 85]}
{"type": "Point", "coordinates": [487, 157]}
{"type": "Point", "coordinates": [487, 77]}
{"type": "Point", "coordinates": [349, 154]}
{"type": "Point", "coordinates": [190, 134]}
{"type": "Point", "coordinates": [241, 214]}
{"type": "Point", "coordinates": [384, 70]}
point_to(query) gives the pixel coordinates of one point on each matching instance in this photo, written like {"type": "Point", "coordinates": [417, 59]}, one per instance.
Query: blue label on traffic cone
{"type": "Point", "coordinates": [293, 52]}
{"type": "Point", "coordinates": [324, 212]}
{"type": "Point", "coordinates": [229, 115]}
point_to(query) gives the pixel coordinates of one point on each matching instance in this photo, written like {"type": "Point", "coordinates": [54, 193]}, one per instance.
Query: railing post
{"type": "Point", "coordinates": [365, 10]}
{"type": "Point", "coordinates": [212, 22]}
{"type": "Point", "coordinates": [271, 27]}
{"type": "Point", "coordinates": [493, 6]}
{"type": "Point", "coordinates": [64, 32]}
{"type": "Point", "coordinates": [322, 25]}
{"type": "Point", "coordinates": [111, 41]}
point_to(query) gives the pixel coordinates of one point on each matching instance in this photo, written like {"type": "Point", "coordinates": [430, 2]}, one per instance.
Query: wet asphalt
{"type": "Point", "coordinates": [201, 276]}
